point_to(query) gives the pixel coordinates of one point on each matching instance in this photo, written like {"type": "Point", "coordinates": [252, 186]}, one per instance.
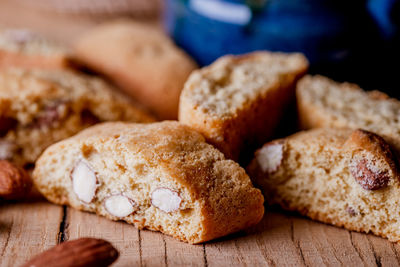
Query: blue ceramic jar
{"type": "Point", "coordinates": [325, 30]}
{"type": "Point", "coordinates": [353, 40]}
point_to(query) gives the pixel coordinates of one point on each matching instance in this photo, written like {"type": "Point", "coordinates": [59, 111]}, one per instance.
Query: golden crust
{"type": "Point", "coordinates": [209, 102]}
{"type": "Point", "coordinates": [142, 60]}
{"type": "Point", "coordinates": [222, 191]}
{"type": "Point", "coordinates": [315, 178]}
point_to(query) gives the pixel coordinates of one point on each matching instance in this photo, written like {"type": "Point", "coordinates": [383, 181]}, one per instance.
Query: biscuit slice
{"type": "Point", "coordinates": [25, 49]}
{"type": "Point", "coordinates": [326, 103]}
{"type": "Point", "coordinates": [239, 100]}
{"type": "Point", "coordinates": [344, 177]}
{"type": "Point", "coordinates": [160, 176]}
{"type": "Point", "coordinates": [141, 59]}
{"type": "Point", "coordinates": [41, 107]}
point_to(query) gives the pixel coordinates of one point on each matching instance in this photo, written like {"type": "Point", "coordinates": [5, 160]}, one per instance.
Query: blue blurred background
{"type": "Point", "coordinates": [356, 41]}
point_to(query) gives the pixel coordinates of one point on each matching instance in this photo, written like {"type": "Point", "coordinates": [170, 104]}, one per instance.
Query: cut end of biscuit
{"type": "Point", "coordinates": [120, 206]}
{"type": "Point", "coordinates": [270, 157]}
{"type": "Point", "coordinates": [84, 181]}
{"type": "Point", "coordinates": [166, 199]}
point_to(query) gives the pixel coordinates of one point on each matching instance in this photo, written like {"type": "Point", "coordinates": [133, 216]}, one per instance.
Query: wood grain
{"type": "Point", "coordinates": [281, 239]}
{"type": "Point", "coordinates": [27, 229]}
{"type": "Point", "coordinates": [144, 248]}
{"type": "Point", "coordinates": [180, 253]}
{"type": "Point", "coordinates": [123, 236]}
{"type": "Point", "coordinates": [324, 245]}
{"type": "Point", "coordinates": [153, 249]}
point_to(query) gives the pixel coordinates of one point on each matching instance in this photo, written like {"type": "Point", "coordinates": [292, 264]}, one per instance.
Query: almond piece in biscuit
{"type": "Point", "coordinates": [120, 206]}
{"type": "Point", "coordinates": [372, 160]}
{"type": "Point", "coordinates": [165, 199]}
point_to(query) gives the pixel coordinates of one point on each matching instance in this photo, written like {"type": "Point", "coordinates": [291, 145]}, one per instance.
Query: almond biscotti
{"type": "Point", "coordinates": [41, 107]}
{"type": "Point", "coordinates": [142, 60]}
{"type": "Point", "coordinates": [26, 49]}
{"type": "Point", "coordinates": [342, 177]}
{"type": "Point", "coordinates": [160, 176]}
{"type": "Point", "coordinates": [239, 100]}
{"type": "Point", "coordinates": [325, 103]}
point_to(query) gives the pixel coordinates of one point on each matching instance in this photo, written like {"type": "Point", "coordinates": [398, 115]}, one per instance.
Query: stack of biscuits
{"type": "Point", "coordinates": [99, 145]}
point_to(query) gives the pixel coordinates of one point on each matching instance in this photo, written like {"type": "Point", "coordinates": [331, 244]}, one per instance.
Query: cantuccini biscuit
{"type": "Point", "coordinates": [140, 59]}
{"type": "Point", "coordinates": [41, 107]}
{"type": "Point", "coordinates": [239, 100]}
{"type": "Point", "coordinates": [343, 177]}
{"type": "Point", "coordinates": [159, 176]}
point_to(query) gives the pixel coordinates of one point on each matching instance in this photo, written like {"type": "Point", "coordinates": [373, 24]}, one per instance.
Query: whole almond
{"type": "Point", "coordinates": [82, 252]}
{"type": "Point", "coordinates": [15, 182]}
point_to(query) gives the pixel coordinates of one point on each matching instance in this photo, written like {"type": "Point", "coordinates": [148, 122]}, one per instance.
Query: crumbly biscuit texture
{"type": "Point", "coordinates": [160, 176]}
{"type": "Point", "coordinates": [343, 177]}
{"type": "Point", "coordinates": [142, 60]}
{"type": "Point", "coordinates": [41, 107]}
{"type": "Point", "coordinates": [326, 103]}
{"type": "Point", "coordinates": [26, 49]}
{"type": "Point", "coordinates": [239, 100]}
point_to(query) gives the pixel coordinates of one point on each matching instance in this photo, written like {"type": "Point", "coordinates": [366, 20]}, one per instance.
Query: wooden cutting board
{"type": "Point", "coordinates": [281, 239]}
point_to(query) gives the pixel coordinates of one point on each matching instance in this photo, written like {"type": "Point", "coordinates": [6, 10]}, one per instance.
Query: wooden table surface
{"type": "Point", "coordinates": [281, 239]}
